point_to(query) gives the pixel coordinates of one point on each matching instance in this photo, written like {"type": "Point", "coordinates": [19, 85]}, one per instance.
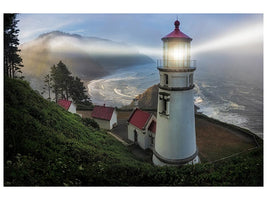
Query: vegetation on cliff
{"type": "Point", "coordinates": [148, 100]}
{"type": "Point", "coordinates": [46, 145]}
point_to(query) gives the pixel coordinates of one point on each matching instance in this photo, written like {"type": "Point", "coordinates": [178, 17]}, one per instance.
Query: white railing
{"type": "Point", "coordinates": [176, 63]}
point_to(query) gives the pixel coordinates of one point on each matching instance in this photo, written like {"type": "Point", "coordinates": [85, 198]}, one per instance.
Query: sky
{"type": "Point", "coordinates": [137, 29]}
{"type": "Point", "coordinates": [211, 33]}
{"type": "Point", "coordinates": [225, 42]}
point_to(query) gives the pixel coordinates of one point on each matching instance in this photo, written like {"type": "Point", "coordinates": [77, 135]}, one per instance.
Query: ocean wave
{"type": "Point", "coordinates": [121, 87]}
{"type": "Point", "coordinates": [117, 91]}
{"type": "Point", "coordinates": [205, 85]}
{"type": "Point", "coordinates": [227, 104]}
{"type": "Point", "coordinates": [231, 118]}
{"type": "Point", "coordinates": [236, 106]}
{"type": "Point", "coordinates": [198, 100]}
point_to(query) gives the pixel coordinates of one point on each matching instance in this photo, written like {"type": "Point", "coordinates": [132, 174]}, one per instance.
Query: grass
{"type": "Point", "coordinates": [44, 145]}
{"type": "Point", "coordinates": [214, 139]}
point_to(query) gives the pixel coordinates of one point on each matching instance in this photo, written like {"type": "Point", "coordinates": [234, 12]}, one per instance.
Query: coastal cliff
{"type": "Point", "coordinates": [148, 100]}
{"type": "Point", "coordinates": [86, 57]}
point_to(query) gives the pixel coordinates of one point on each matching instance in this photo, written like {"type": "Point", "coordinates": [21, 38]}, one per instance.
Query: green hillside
{"type": "Point", "coordinates": [45, 145]}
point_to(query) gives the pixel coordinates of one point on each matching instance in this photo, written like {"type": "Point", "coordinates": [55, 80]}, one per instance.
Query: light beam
{"type": "Point", "coordinates": [251, 34]}
{"type": "Point", "coordinates": [240, 37]}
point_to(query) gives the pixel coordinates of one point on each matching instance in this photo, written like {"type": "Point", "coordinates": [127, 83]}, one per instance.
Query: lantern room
{"type": "Point", "coordinates": [176, 49]}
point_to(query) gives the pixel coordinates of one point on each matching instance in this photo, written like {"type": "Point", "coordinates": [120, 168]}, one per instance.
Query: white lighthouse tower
{"type": "Point", "coordinates": [175, 140]}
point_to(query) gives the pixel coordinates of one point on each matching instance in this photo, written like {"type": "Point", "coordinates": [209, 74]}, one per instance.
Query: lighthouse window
{"type": "Point", "coordinates": [165, 47]}
{"type": "Point", "coordinates": [164, 103]}
{"type": "Point", "coordinates": [164, 109]}
{"type": "Point", "coordinates": [166, 78]}
{"type": "Point", "coordinates": [191, 79]}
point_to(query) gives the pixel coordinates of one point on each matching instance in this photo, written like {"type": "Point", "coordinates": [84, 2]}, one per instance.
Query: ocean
{"type": "Point", "coordinates": [227, 98]}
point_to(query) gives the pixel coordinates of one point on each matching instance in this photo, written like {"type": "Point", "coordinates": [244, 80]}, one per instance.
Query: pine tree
{"type": "Point", "coordinates": [78, 91]}
{"type": "Point", "coordinates": [12, 60]}
{"type": "Point", "coordinates": [66, 86]}
{"type": "Point", "coordinates": [63, 79]}
{"type": "Point", "coordinates": [55, 83]}
{"type": "Point", "coordinates": [47, 86]}
{"type": "Point", "coordinates": [60, 79]}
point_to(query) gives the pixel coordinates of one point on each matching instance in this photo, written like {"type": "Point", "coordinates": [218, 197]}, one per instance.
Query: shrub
{"type": "Point", "coordinates": [90, 122]}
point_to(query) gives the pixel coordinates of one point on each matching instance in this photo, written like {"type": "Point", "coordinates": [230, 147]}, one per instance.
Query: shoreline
{"type": "Point", "coordinates": [240, 130]}
{"type": "Point", "coordinates": [109, 73]}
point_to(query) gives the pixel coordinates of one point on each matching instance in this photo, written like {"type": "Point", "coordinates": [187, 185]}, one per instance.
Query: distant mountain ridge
{"type": "Point", "coordinates": [86, 57]}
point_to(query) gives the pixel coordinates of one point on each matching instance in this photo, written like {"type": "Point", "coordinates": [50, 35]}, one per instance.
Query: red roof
{"type": "Point", "coordinates": [153, 126]}
{"type": "Point", "coordinates": [176, 33]}
{"type": "Point", "coordinates": [102, 112]}
{"type": "Point", "coordinates": [64, 103]}
{"type": "Point", "coordinates": [139, 118]}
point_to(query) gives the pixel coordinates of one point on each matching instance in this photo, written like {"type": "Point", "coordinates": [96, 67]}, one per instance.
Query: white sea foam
{"type": "Point", "coordinates": [117, 91]}
{"type": "Point", "coordinates": [220, 110]}
{"type": "Point", "coordinates": [198, 100]}
{"type": "Point", "coordinates": [120, 88]}
{"type": "Point", "coordinates": [236, 106]}
{"type": "Point", "coordinates": [217, 113]}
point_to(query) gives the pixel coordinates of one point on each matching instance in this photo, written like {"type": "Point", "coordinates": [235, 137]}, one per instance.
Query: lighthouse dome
{"type": "Point", "coordinates": [177, 33]}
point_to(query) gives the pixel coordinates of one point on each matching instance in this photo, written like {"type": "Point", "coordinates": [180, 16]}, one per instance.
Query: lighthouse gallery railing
{"type": "Point", "coordinates": [176, 63]}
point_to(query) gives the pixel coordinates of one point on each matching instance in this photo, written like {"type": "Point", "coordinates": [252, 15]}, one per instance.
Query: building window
{"type": "Point", "coordinates": [135, 136]}
{"type": "Point", "coordinates": [152, 140]}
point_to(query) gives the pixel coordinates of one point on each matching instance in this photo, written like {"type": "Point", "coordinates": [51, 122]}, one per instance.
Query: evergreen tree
{"type": "Point", "coordinates": [55, 83]}
{"type": "Point", "coordinates": [12, 60]}
{"type": "Point", "coordinates": [64, 80]}
{"type": "Point", "coordinates": [66, 86]}
{"type": "Point", "coordinates": [78, 91]}
{"type": "Point", "coordinates": [47, 85]}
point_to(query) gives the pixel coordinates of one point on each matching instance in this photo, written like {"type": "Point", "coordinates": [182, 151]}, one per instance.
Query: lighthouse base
{"type": "Point", "coordinates": [159, 161]}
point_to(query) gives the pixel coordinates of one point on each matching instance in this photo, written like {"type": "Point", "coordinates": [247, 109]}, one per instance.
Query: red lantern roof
{"type": "Point", "coordinates": [102, 112]}
{"type": "Point", "coordinates": [139, 118]}
{"type": "Point", "coordinates": [64, 103]}
{"type": "Point", "coordinates": [177, 33]}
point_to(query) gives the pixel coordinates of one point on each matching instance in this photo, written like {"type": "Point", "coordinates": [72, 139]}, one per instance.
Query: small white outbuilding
{"type": "Point", "coordinates": [67, 105]}
{"type": "Point", "coordinates": [105, 116]}
{"type": "Point", "coordinates": [142, 128]}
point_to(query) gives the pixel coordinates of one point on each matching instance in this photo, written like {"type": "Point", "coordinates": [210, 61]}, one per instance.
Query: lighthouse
{"type": "Point", "coordinates": [175, 139]}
